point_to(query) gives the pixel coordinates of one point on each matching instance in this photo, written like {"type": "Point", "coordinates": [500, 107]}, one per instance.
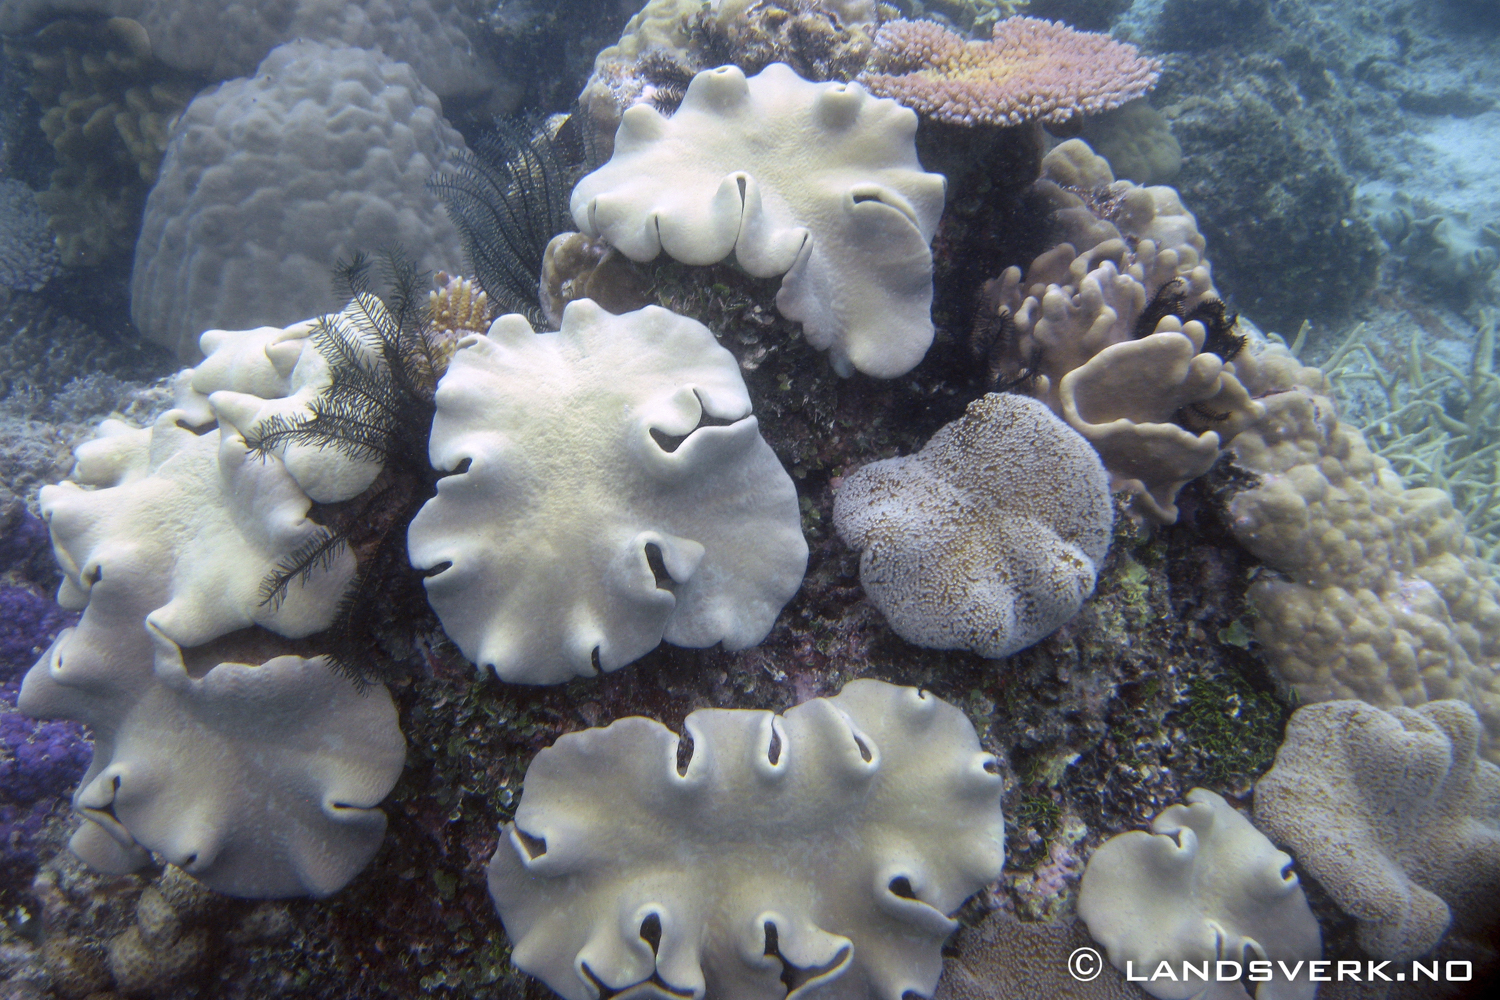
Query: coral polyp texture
{"type": "Point", "coordinates": [1028, 70]}
{"type": "Point", "coordinates": [1118, 329]}
{"type": "Point", "coordinates": [1395, 815]}
{"type": "Point", "coordinates": [609, 489]}
{"type": "Point", "coordinates": [816, 182]}
{"type": "Point", "coordinates": [1372, 590]}
{"type": "Point", "coordinates": [220, 742]}
{"type": "Point", "coordinates": [1203, 886]}
{"type": "Point", "coordinates": [969, 544]}
{"type": "Point", "coordinates": [816, 852]}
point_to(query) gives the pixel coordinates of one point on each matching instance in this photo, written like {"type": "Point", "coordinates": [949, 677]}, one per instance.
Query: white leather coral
{"type": "Point", "coordinates": [217, 744]}
{"type": "Point", "coordinates": [609, 490]}
{"type": "Point", "coordinates": [818, 182]}
{"type": "Point", "coordinates": [1203, 886]}
{"type": "Point", "coordinates": [813, 853]}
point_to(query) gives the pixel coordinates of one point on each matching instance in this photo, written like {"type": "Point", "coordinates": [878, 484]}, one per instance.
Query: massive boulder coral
{"type": "Point", "coordinates": [1373, 591]}
{"type": "Point", "coordinates": [1028, 70]}
{"type": "Point", "coordinates": [817, 851]}
{"type": "Point", "coordinates": [970, 544]}
{"type": "Point", "coordinates": [819, 183]}
{"type": "Point", "coordinates": [221, 742]}
{"type": "Point", "coordinates": [609, 489]}
{"type": "Point", "coordinates": [1203, 886]}
{"type": "Point", "coordinates": [1395, 815]}
{"type": "Point", "coordinates": [1119, 331]}
{"type": "Point", "coordinates": [323, 153]}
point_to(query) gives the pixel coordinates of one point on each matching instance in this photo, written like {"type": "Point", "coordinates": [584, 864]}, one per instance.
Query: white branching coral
{"type": "Point", "coordinates": [220, 742]}
{"type": "Point", "coordinates": [818, 182]}
{"type": "Point", "coordinates": [817, 852]}
{"type": "Point", "coordinates": [1203, 886]}
{"type": "Point", "coordinates": [970, 544]}
{"type": "Point", "coordinates": [1394, 813]}
{"type": "Point", "coordinates": [609, 490]}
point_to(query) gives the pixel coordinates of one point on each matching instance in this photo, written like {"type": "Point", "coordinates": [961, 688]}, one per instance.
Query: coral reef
{"type": "Point", "coordinates": [669, 41]}
{"type": "Point", "coordinates": [205, 718]}
{"type": "Point", "coordinates": [1029, 70]}
{"type": "Point", "coordinates": [1375, 590]}
{"type": "Point", "coordinates": [1203, 886]}
{"type": "Point", "coordinates": [1119, 331]}
{"type": "Point", "coordinates": [968, 544]}
{"type": "Point", "coordinates": [323, 153]}
{"type": "Point", "coordinates": [107, 103]}
{"type": "Point", "coordinates": [818, 183]}
{"type": "Point", "coordinates": [606, 488]}
{"type": "Point", "coordinates": [28, 256]}
{"type": "Point", "coordinates": [1394, 814]}
{"type": "Point", "coordinates": [785, 819]}
{"type": "Point", "coordinates": [1433, 421]}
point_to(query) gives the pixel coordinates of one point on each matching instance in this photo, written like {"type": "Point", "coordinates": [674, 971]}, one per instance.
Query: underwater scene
{"type": "Point", "coordinates": [749, 499]}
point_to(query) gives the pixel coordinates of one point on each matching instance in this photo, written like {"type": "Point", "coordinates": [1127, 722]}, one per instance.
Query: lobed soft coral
{"type": "Point", "coordinates": [606, 488]}
{"type": "Point", "coordinates": [818, 851]}
{"type": "Point", "coordinates": [1118, 329]}
{"type": "Point", "coordinates": [816, 182]}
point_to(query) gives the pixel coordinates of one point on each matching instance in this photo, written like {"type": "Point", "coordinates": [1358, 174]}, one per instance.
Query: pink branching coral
{"type": "Point", "coordinates": [1030, 69]}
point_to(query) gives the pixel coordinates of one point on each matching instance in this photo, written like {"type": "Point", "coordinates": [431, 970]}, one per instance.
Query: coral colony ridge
{"type": "Point", "coordinates": [743, 500]}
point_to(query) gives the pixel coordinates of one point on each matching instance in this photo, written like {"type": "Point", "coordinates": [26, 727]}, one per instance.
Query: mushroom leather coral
{"type": "Point", "coordinates": [821, 850]}
{"type": "Point", "coordinates": [1394, 813]}
{"type": "Point", "coordinates": [578, 458]}
{"type": "Point", "coordinates": [254, 768]}
{"type": "Point", "coordinates": [1203, 885]}
{"type": "Point", "coordinates": [818, 182]}
{"type": "Point", "coordinates": [969, 544]}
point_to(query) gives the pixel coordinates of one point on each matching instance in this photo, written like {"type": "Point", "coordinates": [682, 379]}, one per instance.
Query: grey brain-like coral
{"type": "Point", "coordinates": [1394, 813]}
{"type": "Point", "coordinates": [970, 544]}
{"type": "Point", "coordinates": [821, 849]}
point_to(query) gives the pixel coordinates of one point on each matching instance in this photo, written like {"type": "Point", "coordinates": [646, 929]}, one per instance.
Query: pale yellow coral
{"type": "Point", "coordinates": [1378, 593]}
{"type": "Point", "coordinates": [1158, 407]}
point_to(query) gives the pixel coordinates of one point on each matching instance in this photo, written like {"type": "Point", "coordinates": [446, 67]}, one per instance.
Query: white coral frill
{"type": "Point", "coordinates": [609, 489]}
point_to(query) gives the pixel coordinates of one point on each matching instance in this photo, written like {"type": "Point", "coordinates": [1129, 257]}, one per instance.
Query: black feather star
{"type": "Point", "coordinates": [384, 362]}
{"type": "Point", "coordinates": [508, 197]}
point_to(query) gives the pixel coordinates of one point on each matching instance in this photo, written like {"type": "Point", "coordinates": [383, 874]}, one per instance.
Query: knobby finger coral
{"type": "Point", "coordinates": [1118, 329]}
{"type": "Point", "coordinates": [1029, 70]}
{"type": "Point", "coordinates": [969, 544]}
{"type": "Point", "coordinates": [1204, 886]}
{"type": "Point", "coordinates": [1394, 814]}
{"type": "Point", "coordinates": [605, 488]}
{"type": "Point", "coordinates": [816, 852]}
{"type": "Point", "coordinates": [818, 183]}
